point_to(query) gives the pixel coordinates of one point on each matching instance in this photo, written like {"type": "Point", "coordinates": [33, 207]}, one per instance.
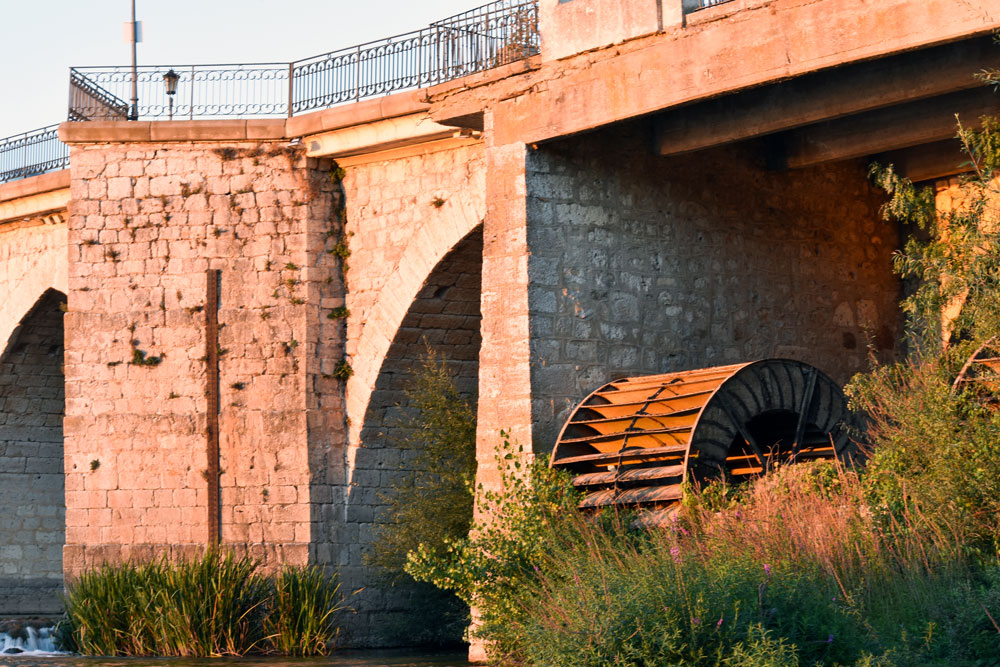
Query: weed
{"type": "Point", "coordinates": [343, 370]}
{"type": "Point", "coordinates": [339, 313]}
{"type": "Point", "coordinates": [140, 358]}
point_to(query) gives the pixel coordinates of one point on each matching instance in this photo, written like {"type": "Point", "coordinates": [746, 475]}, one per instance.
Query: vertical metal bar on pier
{"type": "Point", "coordinates": [212, 305]}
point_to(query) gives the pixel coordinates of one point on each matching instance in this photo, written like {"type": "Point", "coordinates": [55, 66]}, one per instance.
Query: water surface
{"type": "Point", "coordinates": [340, 659]}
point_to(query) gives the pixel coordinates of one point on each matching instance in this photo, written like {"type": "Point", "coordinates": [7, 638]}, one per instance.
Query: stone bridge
{"type": "Point", "coordinates": [187, 356]}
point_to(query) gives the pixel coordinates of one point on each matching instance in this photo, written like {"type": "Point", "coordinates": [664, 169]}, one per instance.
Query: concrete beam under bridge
{"type": "Point", "coordinates": [827, 95]}
{"type": "Point", "coordinates": [923, 122]}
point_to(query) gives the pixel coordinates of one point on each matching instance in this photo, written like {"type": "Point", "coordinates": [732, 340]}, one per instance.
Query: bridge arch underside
{"type": "Point", "coordinates": [642, 264]}
{"type": "Point", "coordinates": [445, 318]}
{"type": "Point", "coordinates": [32, 498]}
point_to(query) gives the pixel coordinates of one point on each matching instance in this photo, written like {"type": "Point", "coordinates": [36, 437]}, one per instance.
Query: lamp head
{"type": "Point", "coordinates": [170, 80]}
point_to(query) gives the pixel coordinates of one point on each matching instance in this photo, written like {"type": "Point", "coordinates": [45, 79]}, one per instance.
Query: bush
{"type": "Point", "coordinates": [492, 564]}
{"type": "Point", "coordinates": [431, 503]}
{"type": "Point", "coordinates": [211, 606]}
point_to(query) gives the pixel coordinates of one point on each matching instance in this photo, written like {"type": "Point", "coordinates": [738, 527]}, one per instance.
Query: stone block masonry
{"type": "Point", "coordinates": [147, 222]}
{"type": "Point", "coordinates": [640, 264]}
{"type": "Point", "coordinates": [32, 515]}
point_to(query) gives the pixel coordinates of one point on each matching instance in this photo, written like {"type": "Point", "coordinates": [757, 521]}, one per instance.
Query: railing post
{"type": "Point", "coordinates": [191, 105]}
{"type": "Point", "coordinates": [357, 76]}
{"type": "Point", "coordinates": [291, 87]}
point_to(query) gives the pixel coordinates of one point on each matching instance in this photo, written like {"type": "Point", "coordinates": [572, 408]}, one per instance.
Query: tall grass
{"type": "Point", "coordinates": [215, 605]}
{"type": "Point", "coordinates": [799, 570]}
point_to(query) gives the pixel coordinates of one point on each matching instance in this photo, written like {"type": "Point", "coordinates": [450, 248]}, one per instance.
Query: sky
{"type": "Point", "coordinates": [42, 39]}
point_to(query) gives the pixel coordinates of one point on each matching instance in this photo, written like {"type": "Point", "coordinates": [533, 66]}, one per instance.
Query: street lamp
{"type": "Point", "coordinates": [170, 81]}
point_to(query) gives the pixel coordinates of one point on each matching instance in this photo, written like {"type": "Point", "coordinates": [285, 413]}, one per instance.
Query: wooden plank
{"type": "Point", "coordinates": [645, 390]}
{"type": "Point", "coordinates": [620, 434]}
{"type": "Point", "coordinates": [645, 494]}
{"type": "Point", "coordinates": [646, 415]}
{"type": "Point", "coordinates": [627, 476]}
{"type": "Point", "coordinates": [630, 455]}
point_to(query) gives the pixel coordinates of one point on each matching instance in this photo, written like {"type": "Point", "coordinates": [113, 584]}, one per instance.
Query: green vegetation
{"type": "Point", "coordinates": [893, 563]}
{"type": "Point", "coordinates": [430, 502]}
{"type": "Point", "coordinates": [215, 605]}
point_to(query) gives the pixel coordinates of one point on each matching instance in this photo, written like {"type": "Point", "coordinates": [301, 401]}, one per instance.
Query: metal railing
{"type": "Point", "coordinates": [705, 4]}
{"type": "Point", "coordinates": [32, 153]}
{"type": "Point", "coordinates": [203, 91]}
{"type": "Point", "coordinates": [477, 40]}
{"type": "Point", "coordinates": [496, 34]}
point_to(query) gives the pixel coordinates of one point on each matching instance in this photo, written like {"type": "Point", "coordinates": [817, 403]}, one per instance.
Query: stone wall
{"type": "Point", "coordinates": [642, 264]}
{"type": "Point", "coordinates": [147, 221]}
{"type": "Point", "coordinates": [32, 507]}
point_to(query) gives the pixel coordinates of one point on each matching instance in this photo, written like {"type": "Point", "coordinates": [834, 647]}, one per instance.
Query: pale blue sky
{"type": "Point", "coordinates": [42, 38]}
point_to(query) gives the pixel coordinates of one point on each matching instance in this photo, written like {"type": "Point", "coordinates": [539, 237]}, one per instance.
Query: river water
{"type": "Point", "coordinates": [343, 659]}
{"type": "Point", "coordinates": [37, 650]}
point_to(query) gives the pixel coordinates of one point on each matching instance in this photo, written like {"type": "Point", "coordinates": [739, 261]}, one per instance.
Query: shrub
{"type": "Point", "coordinates": [430, 502]}
{"type": "Point", "coordinates": [491, 565]}
{"type": "Point", "coordinates": [218, 604]}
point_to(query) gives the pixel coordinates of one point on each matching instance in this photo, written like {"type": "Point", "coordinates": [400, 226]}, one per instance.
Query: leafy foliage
{"type": "Point", "coordinates": [431, 502]}
{"type": "Point", "coordinates": [490, 566]}
{"type": "Point", "coordinates": [957, 267]}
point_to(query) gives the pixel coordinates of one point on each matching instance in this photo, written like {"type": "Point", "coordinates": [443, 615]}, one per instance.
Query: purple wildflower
{"type": "Point", "coordinates": [676, 553]}
{"type": "Point", "coordinates": [719, 624]}
{"type": "Point", "coordinates": [829, 640]}
{"type": "Point", "coordinates": [695, 621]}
{"type": "Point", "coordinates": [767, 570]}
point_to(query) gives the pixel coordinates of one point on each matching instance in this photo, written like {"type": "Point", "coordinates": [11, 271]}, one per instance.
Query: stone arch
{"type": "Point", "coordinates": [32, 260]}
{"type": "Point", "coordinates": [370, 334]}
{"type": "Point", "coordinates": [32, 497]}
{"type": "Point", "coordinates": [444, 315]}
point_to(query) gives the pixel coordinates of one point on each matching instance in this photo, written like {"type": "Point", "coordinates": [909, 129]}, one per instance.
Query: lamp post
{"type": "Point", "coordinates": [170, 81]}
{"type": "Point", "coordinates": [134, 111]}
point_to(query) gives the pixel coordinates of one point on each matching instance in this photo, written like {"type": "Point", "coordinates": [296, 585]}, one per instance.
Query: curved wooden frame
{"type": "Point", "coordinates": [636, 441]}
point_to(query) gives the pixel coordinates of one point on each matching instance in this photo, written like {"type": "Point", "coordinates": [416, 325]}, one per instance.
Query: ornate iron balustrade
{"type": "Point", "coordinates": [32, 153]}
{"type": "Point", "coordinates": [483, 38]}
{"type": "Point", "coordinates": [203, 91]}
{"type": "Point", "coordinates": [496, 34]}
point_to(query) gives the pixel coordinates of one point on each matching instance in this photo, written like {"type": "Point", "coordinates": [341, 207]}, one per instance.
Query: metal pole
{"type": "Point", "coordinates": [212, 472]}
{"type": "Point", "coordinates": [134, 114]}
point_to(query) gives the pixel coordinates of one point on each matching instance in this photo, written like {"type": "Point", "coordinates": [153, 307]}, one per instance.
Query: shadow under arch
{"type": "Point", "coordinates": [32, 478]}
{"type": "Point", "coordinates": [445, 316]}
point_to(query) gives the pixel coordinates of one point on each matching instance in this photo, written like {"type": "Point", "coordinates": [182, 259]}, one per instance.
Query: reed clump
{"type": "Point", "coordinates": [217, 605]}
